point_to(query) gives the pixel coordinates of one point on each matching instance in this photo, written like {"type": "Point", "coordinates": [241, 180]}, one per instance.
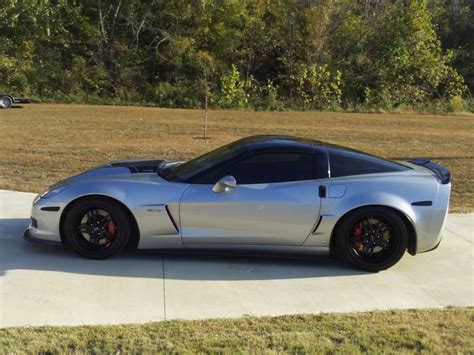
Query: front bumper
{"type": "Point", "coordinates": [29, 238]}
{"type": "Point", "coordinates": [45, 220]}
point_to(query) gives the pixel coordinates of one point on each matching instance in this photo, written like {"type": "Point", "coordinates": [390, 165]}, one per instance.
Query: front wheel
{"type": "Point", "coordinates": [372, 238]}
{"type": "Point", "coordinates": [6, 102]}
{"type": "Point", "coordinates": [97, 228]}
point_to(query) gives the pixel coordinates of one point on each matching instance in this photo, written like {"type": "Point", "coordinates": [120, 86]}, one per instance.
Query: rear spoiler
{"type": "Point", "coordinates": [441, 172]}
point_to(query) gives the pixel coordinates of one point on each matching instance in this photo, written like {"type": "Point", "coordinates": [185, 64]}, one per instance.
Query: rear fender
{"type": "Point", "coordinates": [333, 210]}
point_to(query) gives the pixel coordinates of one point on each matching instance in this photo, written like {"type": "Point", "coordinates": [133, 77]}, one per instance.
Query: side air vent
{"type": "Point", "coordinates": [139, 166]}
{"type": "Point", "coordinates": [316, 226]}
{"type": "Point", "coordinates": [171, 219]}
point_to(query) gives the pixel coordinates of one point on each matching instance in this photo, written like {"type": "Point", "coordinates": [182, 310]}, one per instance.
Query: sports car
{"type": "Point", "coordinates": [261, 194]}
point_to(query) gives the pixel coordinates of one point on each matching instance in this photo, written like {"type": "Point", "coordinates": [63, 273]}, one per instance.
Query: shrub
{"type": "Point", "coordinates": [315, 87]}
{"type": "Point", "coordinates": [232, 90]}
{"type": "Point", "coordinates": [456, 104]}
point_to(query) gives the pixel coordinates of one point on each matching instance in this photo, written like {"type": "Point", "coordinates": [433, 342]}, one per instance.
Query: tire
{"type": "Point", "coordinates": [108, 236]}
{"type": "Point", "coordinates": [376, 229]}
{"type": "Point", "coordinates": [6, 102]}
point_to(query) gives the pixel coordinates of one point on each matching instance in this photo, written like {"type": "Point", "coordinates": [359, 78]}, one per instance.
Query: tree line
{"type": "Point", "coordinates": [257, 54]}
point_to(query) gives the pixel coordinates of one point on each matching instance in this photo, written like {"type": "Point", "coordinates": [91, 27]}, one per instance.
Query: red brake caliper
{"type": "Point", "coordinates": [356, 234]}
{"type": "Point", "coordinates": [111, 229]}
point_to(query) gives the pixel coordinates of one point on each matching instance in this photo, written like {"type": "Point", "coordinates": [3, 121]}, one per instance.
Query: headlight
{"type": "Point", "coordinates": [53, 192]}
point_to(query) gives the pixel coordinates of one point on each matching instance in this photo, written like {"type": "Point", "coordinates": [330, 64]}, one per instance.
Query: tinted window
{"type": "Point", "coordinates": [266, 168]}
{"type": "Point", "coordinates": [193, 167]}
{"type": "Point", "coordinates": [346, 163]}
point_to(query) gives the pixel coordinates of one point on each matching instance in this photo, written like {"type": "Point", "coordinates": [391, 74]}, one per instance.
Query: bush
{"type": "Point", "coordinates": [232, 90]}
{"type": "Point", "coordinates": [456, 104]}
{"type": "Point", "coordinates": [315, 87]}
{"type": "Point", "coordinates": [183, 93]}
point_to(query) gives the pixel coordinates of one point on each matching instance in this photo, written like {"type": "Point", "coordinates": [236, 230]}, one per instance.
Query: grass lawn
{"type": "Point", "coordinates": [430, 331]}
{"type": "Point", "coordinates": [40, 144]}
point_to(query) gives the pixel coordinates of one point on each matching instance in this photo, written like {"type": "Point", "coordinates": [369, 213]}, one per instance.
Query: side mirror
{"type": "Point", "coordinates": [224, 184]}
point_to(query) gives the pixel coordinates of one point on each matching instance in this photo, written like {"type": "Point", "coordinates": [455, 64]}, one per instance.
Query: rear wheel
{"type": "Point", "coordinates": [6, 102]}
{"type": "Point", "coordinates": [97, 228]}
{"type": "Point", "coordinates": [372, 238]}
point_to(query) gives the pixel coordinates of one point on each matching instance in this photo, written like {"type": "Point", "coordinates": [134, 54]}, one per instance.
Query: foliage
{"type": "Point", "coordinates": [232, 90]}
{"type": "Point", "coordinates": [250, 53]}
{"type": "Point", "coordinates": [456, 104]}
{"type": "Point", "coordinates": [315, 87]}
{"type": "Point", "coordinates": [408, 59]}
{"type": "Point", "coordinates": [455, 28]}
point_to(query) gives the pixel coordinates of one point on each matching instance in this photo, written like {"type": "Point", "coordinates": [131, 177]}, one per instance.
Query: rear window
{"type": "Point", "coordinates": [347, 163]}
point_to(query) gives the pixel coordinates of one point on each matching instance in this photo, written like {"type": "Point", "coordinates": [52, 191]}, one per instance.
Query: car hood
{"type": "Point", "coordinates": [129, 169]}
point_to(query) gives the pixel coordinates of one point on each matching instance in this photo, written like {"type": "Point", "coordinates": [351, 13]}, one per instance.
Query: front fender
{"type": "Point", "coordinates": [154, 205]}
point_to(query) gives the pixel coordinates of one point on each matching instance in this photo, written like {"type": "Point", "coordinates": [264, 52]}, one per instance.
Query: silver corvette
{"type": "Point", "coordinates": [261, 193]}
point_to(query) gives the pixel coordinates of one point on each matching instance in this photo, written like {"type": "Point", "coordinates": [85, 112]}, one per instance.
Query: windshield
{"type": "Point", "coordinates": [185, 171]}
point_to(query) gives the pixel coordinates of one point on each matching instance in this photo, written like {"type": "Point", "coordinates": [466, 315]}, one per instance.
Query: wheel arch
{"type": "Point", "coordinates": [9, 96]}
{"type": "Point", "coordinates": [135, 238]}
{"type": "Point", "coordinates": [412, 237]}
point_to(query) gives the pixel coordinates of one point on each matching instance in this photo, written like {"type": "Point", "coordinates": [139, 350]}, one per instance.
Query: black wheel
{"type": "Point", "coordinates": [97, 228]}
{"type": "Point", "coordinates": [6, 102]}
{"type": "Point", "coordinates": [372, 238]}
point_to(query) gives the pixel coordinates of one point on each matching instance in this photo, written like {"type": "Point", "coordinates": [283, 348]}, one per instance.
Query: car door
{"type": "Point", "coordinates": [275, 202]}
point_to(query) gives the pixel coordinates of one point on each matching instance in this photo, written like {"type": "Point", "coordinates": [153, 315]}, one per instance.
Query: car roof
{"type": "Point", "coordinates": [275, 143]}
{"type": "Point", "coordinates": [278, 143]}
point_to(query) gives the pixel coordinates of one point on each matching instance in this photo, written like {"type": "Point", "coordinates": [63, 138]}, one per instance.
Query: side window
{"type": "Point", "coordinates": [346, 163]}
{"type": "Point", "coordinates": [271, 168]}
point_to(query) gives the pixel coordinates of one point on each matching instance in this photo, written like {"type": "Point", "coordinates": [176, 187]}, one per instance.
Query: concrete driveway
{"type": "Point", "coordinates": [47, 285]}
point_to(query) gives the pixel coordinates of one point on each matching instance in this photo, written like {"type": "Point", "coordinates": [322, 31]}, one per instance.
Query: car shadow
{"type": "Point", "coordinates": [18, 254]}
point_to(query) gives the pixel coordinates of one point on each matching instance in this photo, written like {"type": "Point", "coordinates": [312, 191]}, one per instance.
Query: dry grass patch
{"type": "Point", "coordinates": [447, 331]}
{"type": "Point", "coordinates": [40, 144]}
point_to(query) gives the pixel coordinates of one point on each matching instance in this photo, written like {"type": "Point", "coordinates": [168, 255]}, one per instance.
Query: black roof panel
{"type": "Point", "coordinates": [278, 142]}
{"type": "Point", "coordinates": [284, 142]}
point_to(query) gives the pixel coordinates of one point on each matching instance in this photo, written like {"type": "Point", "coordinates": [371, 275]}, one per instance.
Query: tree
{"type": "Point", "coordinates": [238, 54]}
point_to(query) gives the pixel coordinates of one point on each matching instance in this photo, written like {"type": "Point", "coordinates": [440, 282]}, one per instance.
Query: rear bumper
{"type": "Point", "coordinates": [436, 246]}
{"type": "Point", "coordinates": [430, 220]}
{"type": "Point", "coordinates": [430, 216]}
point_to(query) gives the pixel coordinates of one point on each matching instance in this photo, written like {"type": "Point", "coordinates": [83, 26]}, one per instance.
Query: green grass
{"type": "Point", "coordinates": [412, 331]}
